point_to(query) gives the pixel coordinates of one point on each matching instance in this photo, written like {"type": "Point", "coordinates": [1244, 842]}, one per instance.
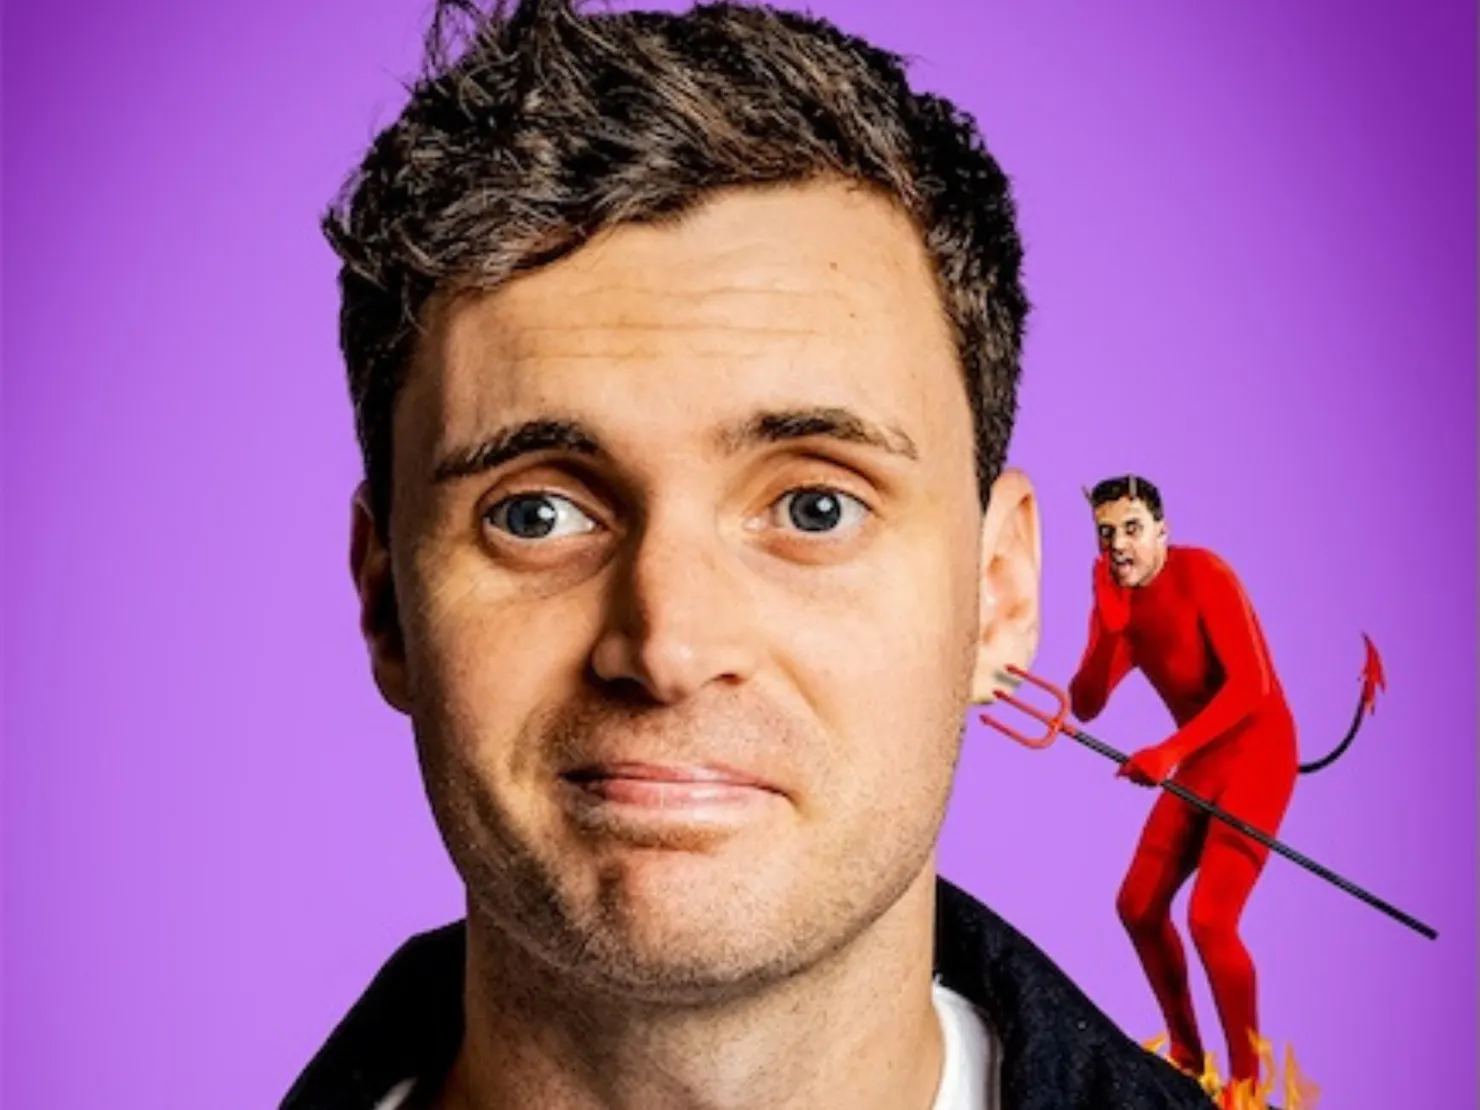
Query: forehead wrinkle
{"type": "Point", "coordinates": [857, 257]}
{"type": "Point", "coordinates": [816, 334]}
{"type": "Point", "coordinates": [861, 294]}
{"type": "Point", "coordinates": [740, 329]}
{"type": "Point", "coordinates": [788, 312]}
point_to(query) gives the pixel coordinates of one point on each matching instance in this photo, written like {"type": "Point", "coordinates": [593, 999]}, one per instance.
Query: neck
{"type": "Point", "coordinates": [857, 1029]}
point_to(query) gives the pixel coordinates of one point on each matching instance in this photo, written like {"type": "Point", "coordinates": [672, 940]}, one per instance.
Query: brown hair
{"type": "Point", "coordinates": [535, 126]}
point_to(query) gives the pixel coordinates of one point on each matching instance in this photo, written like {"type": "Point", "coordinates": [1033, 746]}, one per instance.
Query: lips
{"type": "Point", "coordinates": [668, 772]}
{"type": "Point", "coordinates": [694, 776]}
{"type": "Point", "coordinates": [670, 788]}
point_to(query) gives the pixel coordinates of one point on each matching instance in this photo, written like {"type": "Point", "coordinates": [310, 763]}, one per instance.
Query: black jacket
{"type": "Point", "coordinates": [1059, 1052]}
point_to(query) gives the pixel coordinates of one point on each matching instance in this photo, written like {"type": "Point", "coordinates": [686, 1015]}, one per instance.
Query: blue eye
{"type": "Point", "coordinates": [539, 516]}
{"type": "Point", "coordinates": [822, 510]}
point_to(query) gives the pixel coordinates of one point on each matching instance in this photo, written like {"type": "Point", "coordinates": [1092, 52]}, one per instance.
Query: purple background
{"type": "Point", "coordinates": [1251, 243]}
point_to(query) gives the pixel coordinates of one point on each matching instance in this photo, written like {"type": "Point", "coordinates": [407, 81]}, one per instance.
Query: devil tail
{"type": "Point", "coordinates": [1373, 680]}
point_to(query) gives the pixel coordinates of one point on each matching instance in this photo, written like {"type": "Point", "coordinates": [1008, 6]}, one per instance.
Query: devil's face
{"type": "Point", "coordinates": [1135, 540]}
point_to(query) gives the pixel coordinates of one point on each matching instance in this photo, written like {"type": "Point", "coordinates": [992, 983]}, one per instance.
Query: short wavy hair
{"type": "Point", "coordinates": [536, 125]}
{"type": "Point", "coordinates": [1132, 487]}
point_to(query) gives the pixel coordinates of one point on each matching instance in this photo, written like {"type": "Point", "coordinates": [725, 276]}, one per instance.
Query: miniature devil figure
{"type": "Point", "coordinates": [1181, 616]}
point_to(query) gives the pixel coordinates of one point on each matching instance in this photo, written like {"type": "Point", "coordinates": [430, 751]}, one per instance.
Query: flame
{"type": "Point", "coordinates": [1300, 1092]}
{"type": "Point", "coordinates": [1295, 1091]}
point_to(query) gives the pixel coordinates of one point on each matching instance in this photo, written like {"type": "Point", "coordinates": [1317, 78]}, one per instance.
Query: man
{"type": "Point", "coordinates": [684, 351]}
{"type": "Point", "coordinates": [1181, 616]}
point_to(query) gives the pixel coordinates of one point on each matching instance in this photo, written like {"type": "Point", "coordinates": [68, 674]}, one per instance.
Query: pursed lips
{"type": "Point", "coordinates": [668, 785]}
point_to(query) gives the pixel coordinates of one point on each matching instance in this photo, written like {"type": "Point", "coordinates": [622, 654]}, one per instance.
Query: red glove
{"type": "Point", "coordinates": [1112, 600]}
{"type": "Point", "coordinates": [1149, 766]}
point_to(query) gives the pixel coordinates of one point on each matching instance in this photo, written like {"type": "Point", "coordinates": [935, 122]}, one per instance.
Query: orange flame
{"type": "Point", "coordinates": [1296, 1091]}
{"type": "Point", "coordinates": [1300, 1092]}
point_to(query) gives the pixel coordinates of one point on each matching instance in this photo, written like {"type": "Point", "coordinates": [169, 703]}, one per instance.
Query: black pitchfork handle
{"type": "Point", "coordinates": [1057, 723]}
{"type": "Point", "coordinates": [1268, 841]}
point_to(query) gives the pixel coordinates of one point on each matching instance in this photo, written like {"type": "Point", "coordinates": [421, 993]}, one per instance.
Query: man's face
{"type": "Point", "coordinates": [686, 547]}
{"type": "Point", "coordinates": [1135, 541]}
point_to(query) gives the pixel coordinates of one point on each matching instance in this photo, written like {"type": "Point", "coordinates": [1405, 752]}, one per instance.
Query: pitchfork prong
{"type": "Point", "coordinates": [1054, 722]}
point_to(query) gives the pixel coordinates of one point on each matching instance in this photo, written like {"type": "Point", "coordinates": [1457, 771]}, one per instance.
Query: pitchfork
{"type": "Point", "coordinates": [1058, 722]}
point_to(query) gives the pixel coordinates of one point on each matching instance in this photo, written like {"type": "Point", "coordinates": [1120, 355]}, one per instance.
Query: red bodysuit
{"type": "Point", "coordinates": [1194, 636]}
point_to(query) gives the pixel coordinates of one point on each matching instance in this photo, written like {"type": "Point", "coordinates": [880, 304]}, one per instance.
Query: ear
{"type": "Point", "coordinates": [1011, 572]}
{"type": "Point", "coordinates": [380, 620]}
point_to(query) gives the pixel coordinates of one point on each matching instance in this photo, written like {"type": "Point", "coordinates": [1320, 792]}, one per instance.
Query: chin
{"type": "Point", "coordinates": [699, 976]}
{"type": "Point", "coordinates": [691, 950]}
{"type": "Point", "coordinates": [679, 928]}
{"type": "Point", "coordinates": [683, 900]}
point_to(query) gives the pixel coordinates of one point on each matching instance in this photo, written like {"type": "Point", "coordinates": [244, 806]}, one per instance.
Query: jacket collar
{"type": "Point", "coordinates": [1059, 1051]}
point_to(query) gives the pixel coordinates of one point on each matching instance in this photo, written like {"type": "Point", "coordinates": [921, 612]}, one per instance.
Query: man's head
{"type": "Point", "coordinates": [684, 351]}
{"type": "Point", "coordinates": [1131, 527]}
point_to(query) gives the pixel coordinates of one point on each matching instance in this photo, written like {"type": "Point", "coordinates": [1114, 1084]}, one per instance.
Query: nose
{"type": "Point", "coordinates": [678, 615]}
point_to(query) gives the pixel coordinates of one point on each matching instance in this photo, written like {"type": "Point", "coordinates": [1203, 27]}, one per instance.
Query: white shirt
{"type": "Point", "coordinates": [970, 1077]}
{"type": "Point", "coordinates": [969, 1074]}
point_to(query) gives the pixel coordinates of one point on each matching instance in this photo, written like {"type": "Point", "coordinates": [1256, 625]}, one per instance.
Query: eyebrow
{"type": "Point", "coordinates": [804, 423]}
{"type": "Point", "coordinates": [510, 443]}
{"type": "Point", "coordinates": [780, 426]}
